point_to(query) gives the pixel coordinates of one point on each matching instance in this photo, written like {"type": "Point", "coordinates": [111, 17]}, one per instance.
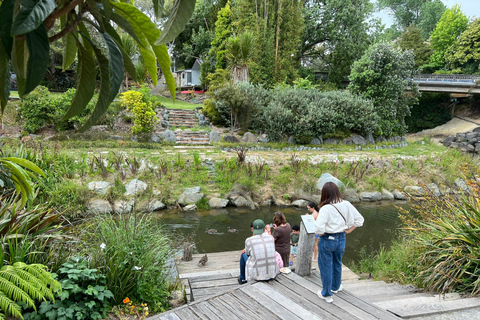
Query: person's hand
{"type": "Point", "coordinates": [243, 251]}
{"type": "Point", "coordinates": [267, 227]}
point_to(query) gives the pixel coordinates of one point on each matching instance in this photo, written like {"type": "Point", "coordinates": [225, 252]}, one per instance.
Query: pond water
{"type": "Point", "coordinates": [380, 227]}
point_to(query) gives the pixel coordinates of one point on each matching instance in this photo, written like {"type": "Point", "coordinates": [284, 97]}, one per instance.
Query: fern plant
{"type": "Point", "coordinates": [22, 283]}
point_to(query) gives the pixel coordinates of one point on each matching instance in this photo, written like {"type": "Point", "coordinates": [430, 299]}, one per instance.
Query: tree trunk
{"type": "Point", "coordinates": [279, 20]}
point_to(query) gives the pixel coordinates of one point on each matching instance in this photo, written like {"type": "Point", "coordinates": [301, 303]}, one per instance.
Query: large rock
{"type": "Point", "coordinates": [358, 140]}
{"type": "Point", "coordinates": [327, 177]}
{"type": "Point", "coordinates": [156, 205]}
{"type": "Point", "coordinates": [281, 203]}
{"type": "Point", "coordinates": [371, 196]}
{"type": "Point", "coordinates": [448, 141]}
{"type": "Point", "coordinates": [331, 141]}
{"type": "Point", "coordinates": [387, 195]}
{"type": "Point", "coordinates": [241, 201]}
{"type": "Point", "coordinates": [370, 139]}
{"type": "Point", "coordinates": [300, 203]}
{"type": "Point", "coordinates": [351, 195]}
{"type": "Point", "coordinates": [156, 138]}
{"type": "Point", "coordinates": [169, 136]}
{"type": "Point", "coordinates": [189, 198]}
{"type": "Point", "coordinates": [315, 141]}
{"type": "Point", "coordinates": [122, 206]}
{"type": "Point", "coordinates": [100, 187]}
{"type": "Point", "coordinates": [232, 139]}
{"type": "Point", "coordinates": [217, 203]}
{"type": "Point", "coordinates": [249, 138]}
{"type": "Point", "coordinates": [135, 187]}
{"type": "Point", "coordinates": [380, 139]}
{"type": "Point", "coordinates": [433, 188]}
{"type": "Point", "coordinates": [263, 138]}
{"type": "Point", "coordinates": [215, 137]}
{"type": "Point", "coordinates": [291, 140]}
{"type": "Point", "coordinates": [190, 207]}
{"type": "Point", "coordinates": [415, 191]}
{"type": "Point", "coordinates": [461, 185]}
{"type": "Point", "coordinates": [399, 195]}
{"type": "Point", "coordinates": [99, 206]}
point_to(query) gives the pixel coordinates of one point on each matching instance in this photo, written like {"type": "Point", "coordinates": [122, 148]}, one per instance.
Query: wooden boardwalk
{"type": "Point", "coordinates": [214, 293]}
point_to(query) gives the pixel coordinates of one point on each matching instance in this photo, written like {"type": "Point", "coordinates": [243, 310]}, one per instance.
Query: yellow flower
{"type": "Point", "coordinates": [146, 313]}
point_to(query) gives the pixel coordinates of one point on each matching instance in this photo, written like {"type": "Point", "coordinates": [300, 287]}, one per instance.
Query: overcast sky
{"type": "Point", "coordinates": [470, 7]}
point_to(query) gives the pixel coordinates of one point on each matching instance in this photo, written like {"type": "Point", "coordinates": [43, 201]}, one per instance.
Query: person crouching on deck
{"type": "Point", "coordinates": [257, 261]}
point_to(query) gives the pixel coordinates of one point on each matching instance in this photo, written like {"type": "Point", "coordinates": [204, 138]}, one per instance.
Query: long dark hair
{"type": "Point", "coordinates": [313, 205]}
{"type": "Point", "coordinates": [279, 218]}
{"type": "Point", "coordinates": [330, 194]}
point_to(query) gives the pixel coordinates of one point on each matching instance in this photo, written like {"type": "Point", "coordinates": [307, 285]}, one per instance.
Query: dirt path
{"type": "Point", "coordinates": [457, 124]}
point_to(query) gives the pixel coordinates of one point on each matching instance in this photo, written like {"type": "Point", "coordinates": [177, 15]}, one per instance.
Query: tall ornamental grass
{"type": "Point", "coordinates": [447, 230]}
{"type": "Point", "coordinates": [132, 252]}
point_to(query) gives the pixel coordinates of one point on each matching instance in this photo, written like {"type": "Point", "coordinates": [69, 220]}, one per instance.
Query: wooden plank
{"type": "Point", "coordinates": [186, 314]}
{"type": "Point", "coordinates": [269, 303]}
{"type": "Point", "coordinates": [378, 300]}
{"type": "Point", "coordinates": [203, 311]}
{"type": "Point", "coordinates": [167, 316]}
{"type": "Point", "coordinates": [211, 292]}
{"type": "Point", "coordinates": [305, 298]}
{"type": "Point", "coordinates": [208, 277]}
{"type": "Point", "coordinates": [222, 311]}
{"type": "Point", "coordinates": [214, 283]}
{"type": "Point", "coordinates": [346, 296]}
{"type": "Point", "coordinates": [253, 305]}
{"type": "Point", "coordinates": [238, 308]}
{"type": "Point", "coordinates": [204, 273]}
{"type": "Point", "coordinates": [280, 298]}
{"type": "Point", "coordinates": [431, 306]}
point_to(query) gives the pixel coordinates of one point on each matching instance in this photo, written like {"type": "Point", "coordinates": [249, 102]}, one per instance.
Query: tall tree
{"type": "Point", "coordinates": [430, 13]}
{"type": "Point", "coordinates": [404, 12]}
{"type": "Point", "coordinates": [382, 75]}
{"type": "Point", "coordinates": [412, 39]}
{"type": "Point", "coordinates": [25, 44]}
{"type": "Point", "coordinates": [223, 30]}
{"type": "Point", "coordinates": [336, 34]}
{"type": "Point", "coordinates": [465, 52]}
{"type": "Point", "coordinates": [452, 23]}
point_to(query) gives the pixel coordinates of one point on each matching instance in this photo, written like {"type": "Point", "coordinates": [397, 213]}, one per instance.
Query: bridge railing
{"type": "Point", "coordinates": [448, 78]}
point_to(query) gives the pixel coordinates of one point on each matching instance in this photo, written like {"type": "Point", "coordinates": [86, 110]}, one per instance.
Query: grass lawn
{"type": "Point", "coordinates": [168, 103]}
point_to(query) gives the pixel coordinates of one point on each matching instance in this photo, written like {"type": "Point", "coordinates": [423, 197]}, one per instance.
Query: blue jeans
{"type": "Point", "coordinates": [331, 248]}
{"type": "Point", "coordinates": [243, 262]}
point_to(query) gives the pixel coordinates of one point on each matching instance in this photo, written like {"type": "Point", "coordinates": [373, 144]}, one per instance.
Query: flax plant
{"type": "Point", "coordinates": [448, 232]}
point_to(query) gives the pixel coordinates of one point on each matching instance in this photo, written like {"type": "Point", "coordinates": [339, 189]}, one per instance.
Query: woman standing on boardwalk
{"type": "Point", "coordinates": [335, 219]}
{"type": "Point", "coordinates": [281, 234]}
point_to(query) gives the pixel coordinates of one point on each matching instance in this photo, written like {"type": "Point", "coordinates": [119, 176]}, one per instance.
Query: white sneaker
{"type": "Point", "coordinates": [338, 290]}
{"type": "Point", "coordinates": [328, 299]}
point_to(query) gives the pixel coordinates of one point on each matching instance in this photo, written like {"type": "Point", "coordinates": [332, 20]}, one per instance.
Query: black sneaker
{"type": "Point", "coordinates": [241, 281]}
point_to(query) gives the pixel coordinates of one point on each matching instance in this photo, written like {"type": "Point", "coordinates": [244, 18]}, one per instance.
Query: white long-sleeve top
{"type": "Point", "coordinates": [329, 219]}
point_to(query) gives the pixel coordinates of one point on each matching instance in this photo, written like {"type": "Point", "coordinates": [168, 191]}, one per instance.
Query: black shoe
{"type": "Point", "coordinates": [241, 281]}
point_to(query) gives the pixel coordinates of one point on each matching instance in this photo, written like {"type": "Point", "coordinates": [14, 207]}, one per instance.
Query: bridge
{"type": "Point", "coordinates": [448, 83]}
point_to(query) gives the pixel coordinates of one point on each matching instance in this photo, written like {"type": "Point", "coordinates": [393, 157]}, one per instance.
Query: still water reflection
{"type": "Point", "coordinates": [380, 227]}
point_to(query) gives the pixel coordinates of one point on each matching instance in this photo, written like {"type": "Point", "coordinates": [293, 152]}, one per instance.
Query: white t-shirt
{"type": "Point", "coordinates": [329, 219]}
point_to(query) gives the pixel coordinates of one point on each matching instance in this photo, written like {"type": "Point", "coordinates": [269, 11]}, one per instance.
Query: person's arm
{"type": "Point", "coordinates": [320, 223]}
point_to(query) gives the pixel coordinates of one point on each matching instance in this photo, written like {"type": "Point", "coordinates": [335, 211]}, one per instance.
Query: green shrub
{"type": "Point", "coordinates": [211, 112]}
{"type": "Point", "coordinates": [37, 109]}
{"type": "Point", "coordinates": [83, 295]}
{"type": "Point", "coordinates": [142, 105]}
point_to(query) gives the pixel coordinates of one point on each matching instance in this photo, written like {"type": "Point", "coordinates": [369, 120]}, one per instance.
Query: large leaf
{"type": "Point", "coordinates": [116, 66]}
{"type": "Point", "coordinates": [27, 164]}
{"type": "Point", "coordinates": [177, 20]}
{"type": "Point", "coordinates": [38, 58]}
{"type": "Point", "coordinates": [163, 58]}
{"type": "Point", "coordinates": [144, 32]}
{"type": "Point", "coordinates": [31, 15]}
{"type": "Point", "coordinates": [86, 73]}
{"type": "Point", "coordinates": [6, 18]}
{"type": "Point", "coordinates": [127, 62]}
{"type": "Point", "coordinates": [104, 94]}
{"type": "Point", "coordinates": [95, 11]}
{"type": "Point", "coordinates": [125, 26]}
{"type": "Point", "coordinates": [157, 7]}
{"type": "Point", "coordinates": [19, 62]}
{"type": "Point", "coordinates": [70, 51]}
{"type": "Point", "coordinates": [4, 78]}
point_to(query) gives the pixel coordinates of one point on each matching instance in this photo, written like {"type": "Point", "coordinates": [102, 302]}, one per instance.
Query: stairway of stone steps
{"type": "Point", "coordinates": [408, 301]}
{"type": "Point", "coordinates": [182, 118]}
{"type": "Point", "coordinates": [192, 137]}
